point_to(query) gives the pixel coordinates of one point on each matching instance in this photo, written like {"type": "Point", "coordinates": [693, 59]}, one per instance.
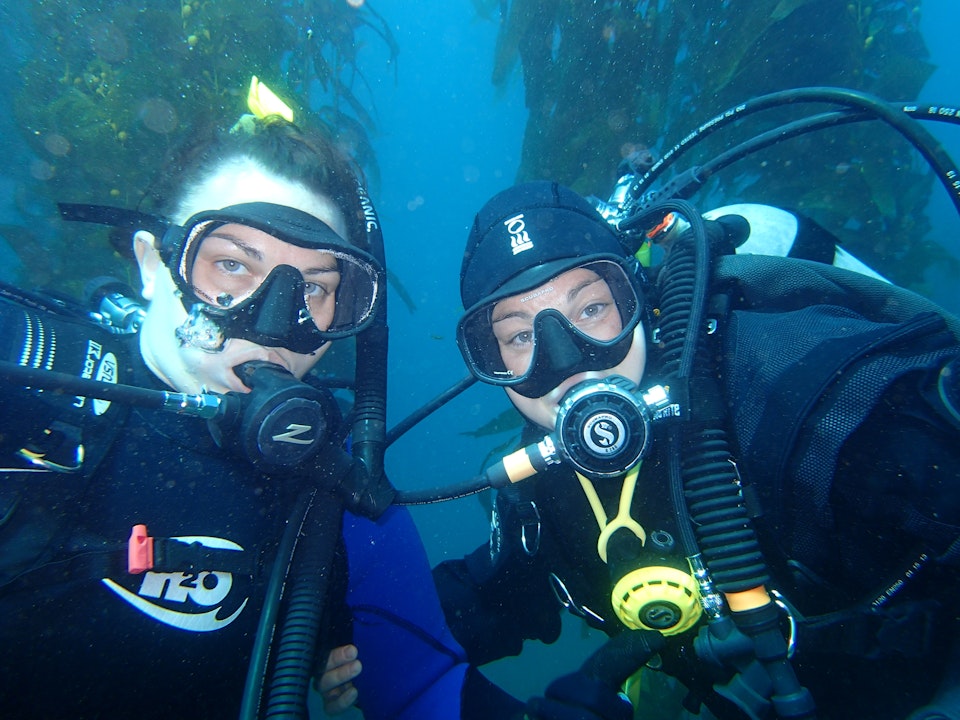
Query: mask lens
{"type": "Point", "coordinates": [356, 295]}
{"type": "Point", "coordinates": [331, 292]}
{"type": "Point", "coordinates": [591, 307]}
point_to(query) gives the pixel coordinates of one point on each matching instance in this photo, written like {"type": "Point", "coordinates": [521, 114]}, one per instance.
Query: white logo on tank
{"type": "Point", "coordinates": [106, 372]}
{"type": "Point", "coordinates": [97, 365]}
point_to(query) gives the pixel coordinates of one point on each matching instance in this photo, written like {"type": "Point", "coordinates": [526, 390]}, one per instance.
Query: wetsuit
{"type": "Point", "coordinates": [851, 468]}
{"type": "Point", "coordinates": [81, 637]}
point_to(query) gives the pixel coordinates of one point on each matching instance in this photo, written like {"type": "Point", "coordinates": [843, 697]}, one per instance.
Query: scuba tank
{"type": "Point", "coordinates": [59, 430]}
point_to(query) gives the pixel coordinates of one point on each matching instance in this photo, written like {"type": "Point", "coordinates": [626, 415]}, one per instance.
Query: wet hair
{"type": "Point", "coordinates": [308, 157]}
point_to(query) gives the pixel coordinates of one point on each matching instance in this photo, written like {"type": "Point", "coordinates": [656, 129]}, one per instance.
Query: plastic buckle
{"type": "Point", "coordinates": [665, 225]}
{"type": "Point", "coordinates": [529, 517]}
{"type": "Point", "coordinates": [139, 551]}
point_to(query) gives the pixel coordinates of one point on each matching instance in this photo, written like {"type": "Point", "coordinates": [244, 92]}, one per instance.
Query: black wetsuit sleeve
{"type": "Point", "coordinates": [492, 608]}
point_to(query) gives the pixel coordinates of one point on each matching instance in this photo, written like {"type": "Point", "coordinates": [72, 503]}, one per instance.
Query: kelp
{"type": "Point", "coordinates": [601, 78]}
{"type": "Point", "coordinates": [109, 86]}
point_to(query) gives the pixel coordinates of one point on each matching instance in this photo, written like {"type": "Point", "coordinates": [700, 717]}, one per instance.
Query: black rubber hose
{"type": "Point", "coordinates": [310, 578]}
{"type": "Point", "coordinates": [370, 406]}
{"type": "Point", "coordinates": [699, 462]}
{"type": "Point", "coordinates": [442, 494]}
{"type": "Point", "coordinates": [290, 680]}
{"type": "Point", "coordinates": [724, 531]}
{"type": "Point", "coordinates": [256, 669]}
{"type": "Point", "coordinates": [64, 382]}
{"type": "Point", "coordinates": [704, 484]}
{"type": "Point", "coordinates": [687, 183]}
{"type": "Point", "coordinates": [398, 430]}
{"type": "Point", "coordinates": [898, 116]}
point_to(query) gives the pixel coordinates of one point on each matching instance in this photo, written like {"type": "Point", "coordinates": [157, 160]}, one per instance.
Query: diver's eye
{"type": "Point", "coordinates": [231, 266]}
{"type": "Point", "coordinates": [315, 290]}
{"type": "Point", "coordinates": [595, 311]}
{"type": "Point", "coordinates": [521, 338]}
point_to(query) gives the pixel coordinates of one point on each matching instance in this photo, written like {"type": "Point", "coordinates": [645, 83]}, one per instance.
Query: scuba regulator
{"type": "Point", "coordinates": [281, 423]}
{"type": "Point", "coordinates": [603, 426]}
{"type": "Point", "coordinates": [603, 431]}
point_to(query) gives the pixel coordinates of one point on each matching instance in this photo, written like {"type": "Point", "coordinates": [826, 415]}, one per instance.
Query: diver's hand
{"type": "Point", "coordinates": [336, 683]}
{"type": "Point", "coordinates": [593, 692]}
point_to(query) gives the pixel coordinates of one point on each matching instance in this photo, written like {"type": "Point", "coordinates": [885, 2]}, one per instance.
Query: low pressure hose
{"type": "Point", "coordinates": [711, 491]}
{"type": "Point", "coordinates": [711, 488]}
{"type": "Point", "coordinates": [310, 578]}
{"type": "Point", "coordinates": [368, 494]}
{"type": "Point", "coordinates": [259, 656]}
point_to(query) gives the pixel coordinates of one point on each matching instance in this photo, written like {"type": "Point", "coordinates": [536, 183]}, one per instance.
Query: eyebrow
{"type": "Point", "coordinates": [255, 254]}
{"type": "Point", "coordinates": [571, 295]}
{"type": "Point", "coordinates": [247, 250]}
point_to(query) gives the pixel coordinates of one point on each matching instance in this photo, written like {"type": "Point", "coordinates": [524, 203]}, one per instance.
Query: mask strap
{"type": "Point", "coordinates": [622, 519]}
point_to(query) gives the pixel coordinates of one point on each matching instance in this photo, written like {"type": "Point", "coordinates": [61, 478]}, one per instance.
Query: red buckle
{"type": "Point", "coordinates": [139, 550]}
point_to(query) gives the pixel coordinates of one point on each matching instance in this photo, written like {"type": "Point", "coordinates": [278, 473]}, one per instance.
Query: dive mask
{"type": "Point", "coordinates": [226, 296]}
{"type": "Point", "coordinates": [532, 353]}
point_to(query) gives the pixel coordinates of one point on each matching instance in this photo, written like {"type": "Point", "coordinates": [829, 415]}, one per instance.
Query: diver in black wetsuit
{"type": "Point", "coordinates": [811, 438]}
{"type": "Point", "coordinates": [259, 259]}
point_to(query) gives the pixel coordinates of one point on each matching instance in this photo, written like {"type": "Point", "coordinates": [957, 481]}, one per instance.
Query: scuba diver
{"type": "Point", "coordinates": [819, 407]}
{"type": "Point", "coordinates": [198, 563]}
{"type": "Point", "coordinates": [739, 459]}
{"type": "Point", "coordinates": [765, 510]}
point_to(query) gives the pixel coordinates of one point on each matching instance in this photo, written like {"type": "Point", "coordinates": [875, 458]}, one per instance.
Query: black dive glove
{"type": "Point", "coordinates": [593, 692]}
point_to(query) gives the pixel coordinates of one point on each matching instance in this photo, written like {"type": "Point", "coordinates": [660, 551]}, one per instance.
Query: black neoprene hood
{"type": "Point", "coordinates": [528, 234]}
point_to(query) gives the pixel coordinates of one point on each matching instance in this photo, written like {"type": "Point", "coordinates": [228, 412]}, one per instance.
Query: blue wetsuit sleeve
{"type": "Point", "coordinates": [412, 666]}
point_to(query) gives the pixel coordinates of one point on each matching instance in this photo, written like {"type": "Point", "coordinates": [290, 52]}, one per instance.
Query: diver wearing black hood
{"type": "Point", "coordinates": [836, 395]}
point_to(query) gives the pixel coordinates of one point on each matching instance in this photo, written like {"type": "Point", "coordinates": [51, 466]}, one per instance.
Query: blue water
{"type": "Point", "coordinates": [446, 142]}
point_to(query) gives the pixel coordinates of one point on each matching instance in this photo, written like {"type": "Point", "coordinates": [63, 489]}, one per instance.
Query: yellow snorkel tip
{"type": "Point", "coordinates": [262, 102]}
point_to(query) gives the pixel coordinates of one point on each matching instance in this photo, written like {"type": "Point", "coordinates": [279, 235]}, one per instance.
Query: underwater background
{"type": "Point", "coordinates": [444, 103]}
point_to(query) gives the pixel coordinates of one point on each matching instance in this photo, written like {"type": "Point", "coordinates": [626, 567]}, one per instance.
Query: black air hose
{"type": "Point", "coordinates": [310, 578]}
{"type": "Point", "coordinates": [711, 489]}
{"type": "Point", "coordinates": [370, 406]}
{"type": "Point", "coordinates": [700, 462]}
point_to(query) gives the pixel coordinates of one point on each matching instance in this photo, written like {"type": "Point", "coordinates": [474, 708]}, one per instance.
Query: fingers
{"type": "Point", "coordinates": [341, 656]}
{"type": "Point", "coordinates": [336, 687]}
{"type": "Point", "coordinates": [342, 667]}
{"type": "Point", "coordinates": [339, 699]}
